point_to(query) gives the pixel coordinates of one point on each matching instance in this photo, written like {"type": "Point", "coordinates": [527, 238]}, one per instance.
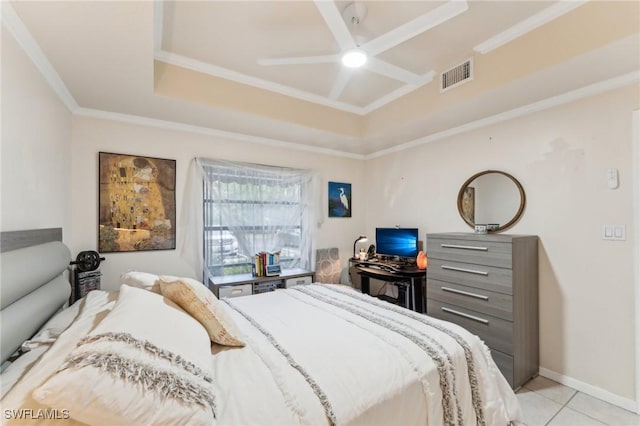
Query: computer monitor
{"type": "Point", "coordinates": [402, 242]}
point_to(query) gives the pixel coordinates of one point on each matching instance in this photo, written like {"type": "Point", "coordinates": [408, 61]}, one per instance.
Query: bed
{"type": "Point", "coordinates": [313, 354]}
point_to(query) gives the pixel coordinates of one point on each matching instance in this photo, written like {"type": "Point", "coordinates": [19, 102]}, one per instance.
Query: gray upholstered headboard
{"type": "Point", "coordinates": [32, 287]}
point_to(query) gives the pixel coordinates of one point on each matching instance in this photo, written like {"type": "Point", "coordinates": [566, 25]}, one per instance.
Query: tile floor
{"type": "Point", "coordinates": [545, 402]}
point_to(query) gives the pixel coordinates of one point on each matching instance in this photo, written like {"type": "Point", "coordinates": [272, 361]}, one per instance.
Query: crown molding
{"type": "Point", "coordinates": [12, 22]}
{"type": "Point", "coordinates": [558, 9]}
{"type": "Point", "coordinates": [529, 24]}
{"type": "Point", "coordinates": [207, 131]}
{"type": "Point", "coordinates": [17, 29]}
{"type": "Point", "coordinates": [216, 71]}
{"type": "Point", "coordinates": [225, 73]}
{"type": "Point", "coordinates": [571, 96]}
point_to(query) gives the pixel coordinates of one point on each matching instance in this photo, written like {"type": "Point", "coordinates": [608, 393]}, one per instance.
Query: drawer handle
{"type": "Point", "coordinates": [455, 246]}
{"type": "Point", "coordinates": [469, 271]}
{"type": "Point", "coordinates": [236, 291]}
{"type": "Point", "coordinates": [462, 314]}
{"type": "Point", "coordinates": [465, 293]}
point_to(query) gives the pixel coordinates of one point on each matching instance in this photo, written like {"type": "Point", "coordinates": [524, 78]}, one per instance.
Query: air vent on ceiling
{"type": "Point", "coordinates": [457, 75]}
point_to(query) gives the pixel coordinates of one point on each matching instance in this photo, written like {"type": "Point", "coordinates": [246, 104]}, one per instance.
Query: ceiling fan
{"type": "Point", "coordinates": [353, 55]}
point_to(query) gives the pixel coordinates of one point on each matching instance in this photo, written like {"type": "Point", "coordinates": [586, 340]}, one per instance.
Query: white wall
{"type": "Point", "coordinates": [35, 148]}
{"type": "Point", "coordinates": [91, 136]}
{"type": "Point", "coordinates": [560, 156]}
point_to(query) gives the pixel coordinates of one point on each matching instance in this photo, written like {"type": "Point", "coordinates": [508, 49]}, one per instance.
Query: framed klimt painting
{"type": "Point", "coordinates": [137, 203]}
{"type": "Point", "coordinates": [339, 199]}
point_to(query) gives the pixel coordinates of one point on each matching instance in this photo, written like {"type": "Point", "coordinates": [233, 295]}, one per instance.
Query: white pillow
{"type": "Point", "coordinates": [143, 280]}
{"type": "Point", "coordinates": [203, 305]}
{"type": "Point", "coordinates": [147, 362]}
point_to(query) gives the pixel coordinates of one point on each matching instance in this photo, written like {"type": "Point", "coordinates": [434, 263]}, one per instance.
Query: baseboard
{"type": "Point", "coordinates": [594, 391]}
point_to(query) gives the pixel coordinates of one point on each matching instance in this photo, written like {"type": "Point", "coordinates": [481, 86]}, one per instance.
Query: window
{"type": "Point", "coordinates": [251, 208]}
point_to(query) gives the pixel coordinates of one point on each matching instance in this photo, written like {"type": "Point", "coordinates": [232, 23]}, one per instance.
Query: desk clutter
{"type": "Point", "coordinates": [389, 266]}
{"type": "Point", "coordinates": [406, 276]}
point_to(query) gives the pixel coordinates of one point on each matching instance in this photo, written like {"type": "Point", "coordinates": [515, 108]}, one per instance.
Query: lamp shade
{"type": "Point", "coordinates": [360, 238]}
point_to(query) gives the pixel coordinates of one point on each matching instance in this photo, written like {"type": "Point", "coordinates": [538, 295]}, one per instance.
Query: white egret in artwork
{"type": "Point", "coordinates": [343, 199]}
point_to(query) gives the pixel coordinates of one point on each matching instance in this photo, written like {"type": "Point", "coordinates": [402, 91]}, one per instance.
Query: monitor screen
{"type": "Point", "coordinates": [401, 242]}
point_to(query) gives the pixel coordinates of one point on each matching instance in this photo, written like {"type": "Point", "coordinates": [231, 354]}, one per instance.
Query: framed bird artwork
{"type": "Point", "coordinates": [339, 199]}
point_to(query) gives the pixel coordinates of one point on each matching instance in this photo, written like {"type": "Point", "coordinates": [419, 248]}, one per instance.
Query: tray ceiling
{"type": "Point", "coordinates": [199, 64]}
{"type": "Point", "coordinates": [238, 36]}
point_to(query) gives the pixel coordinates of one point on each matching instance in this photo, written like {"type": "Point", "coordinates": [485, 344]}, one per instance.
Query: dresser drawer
{"type": "Point", "coordinates": [234, 290]}
{"type": "Point", "coordinates": [505, 365]}
{"type": "Point", "coordinates": [480, 300]}
{"type": "Point", "coordinates": [480, 276]}
{"type": "Point", "coordinates": [470, 251]}
{"type": "Point", "coordinates": [495, 332]}
{"type": "Point", "coordinates": [292, 282]}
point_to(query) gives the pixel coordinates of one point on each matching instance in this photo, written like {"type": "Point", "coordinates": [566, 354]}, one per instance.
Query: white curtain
{"type": "Point", "coordinates": [292, 196]}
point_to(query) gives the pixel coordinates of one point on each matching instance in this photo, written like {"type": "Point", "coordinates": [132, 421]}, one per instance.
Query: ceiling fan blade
{"type": "Point", "coordinates": [341, 82]}
{"type": "Point", "coordinates": [417, 26]}
{"type": "Point", "coordinates": [338, 28]}
{"type": "Point", "coordinates": [299, 60]}
{"type": "Point", "coordinates": [389, 70]}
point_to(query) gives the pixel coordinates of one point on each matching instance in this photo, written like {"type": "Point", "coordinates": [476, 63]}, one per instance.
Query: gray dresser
{"type": "Point", "coordinates": [489, 285]}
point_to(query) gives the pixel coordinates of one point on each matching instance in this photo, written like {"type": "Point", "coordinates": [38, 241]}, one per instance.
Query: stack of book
{"type": "Point", "coordinates": [266, 264]}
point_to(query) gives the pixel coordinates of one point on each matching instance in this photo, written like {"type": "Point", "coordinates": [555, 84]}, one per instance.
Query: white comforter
{"type": "Point", "coordinates": [324, 354]}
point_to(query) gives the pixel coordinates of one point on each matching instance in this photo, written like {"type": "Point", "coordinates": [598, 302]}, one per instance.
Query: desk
{"type": "Point", "coordinates": [414, 277]}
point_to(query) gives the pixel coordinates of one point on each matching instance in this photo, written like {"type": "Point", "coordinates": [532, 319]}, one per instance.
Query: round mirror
{"type": "Point", "coordinates": [493, 198]}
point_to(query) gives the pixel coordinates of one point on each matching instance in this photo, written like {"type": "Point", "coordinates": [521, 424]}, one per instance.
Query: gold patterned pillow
{"type": "Point", "coordinates": [202, 304]}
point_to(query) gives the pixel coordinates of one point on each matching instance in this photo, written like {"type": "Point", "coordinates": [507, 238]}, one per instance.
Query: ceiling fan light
{"type": "Point", "coordinates": [354, 58]}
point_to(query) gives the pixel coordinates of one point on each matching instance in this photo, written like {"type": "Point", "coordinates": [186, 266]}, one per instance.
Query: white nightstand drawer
{"type": "Point", "coordinates": [292, 282]}
{"type": "Point", "coordinates": [234, 290]}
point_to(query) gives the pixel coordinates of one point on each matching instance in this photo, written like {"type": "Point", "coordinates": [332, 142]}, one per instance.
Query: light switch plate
{"type": "Point", "coordinates": [614, 232]}
{"type": "Point", "coordinates": [612, 178]}
{"type": "Point", "coordinates": [619, 232]}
